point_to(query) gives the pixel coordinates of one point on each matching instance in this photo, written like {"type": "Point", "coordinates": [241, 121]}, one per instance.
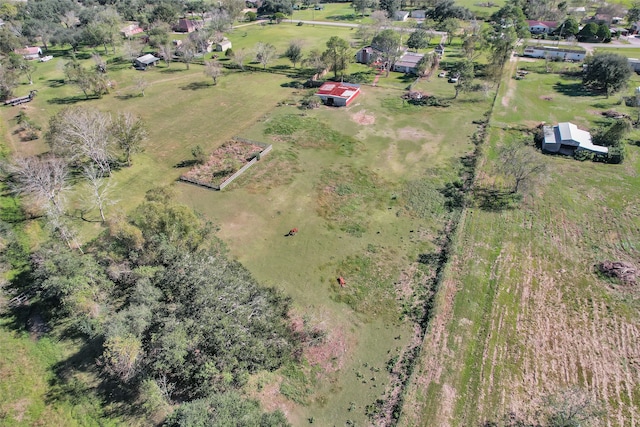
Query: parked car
{"type": "Point", "coordinates": [443, 74]}
{"type": "Point", "coordinates": [453, 79]}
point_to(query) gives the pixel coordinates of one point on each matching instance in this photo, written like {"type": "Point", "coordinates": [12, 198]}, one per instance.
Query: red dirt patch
{"type": "Point", "coordinates": [362, 118]}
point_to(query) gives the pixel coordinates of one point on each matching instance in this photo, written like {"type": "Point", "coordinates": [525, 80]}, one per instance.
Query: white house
{"type": "Point", "coordinates": [145, 61]}
{"type": "Point", "coordinates": [566, 138]}
{"type": "Point", "coordinates": [407, 63]}
{"type": "Point", "coordinates": [541, 27]}
{"type": "Point", "coordinates": [28, 52]}
{"type": "Point", "coordinates": [554, 52]}
{"type": "Point", "coordinates": [419, 14]}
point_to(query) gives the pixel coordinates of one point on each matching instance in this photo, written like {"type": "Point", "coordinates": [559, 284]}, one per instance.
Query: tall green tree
{"type": "Point", "coordinates": [294, 52]}
{"type": "Point", "coordinates": [390, 7]}
{"type": "Point", "coordinates": [388, 42]}
{"type": "Point", "coordinates": [419, 39]}
{"type": "Point", "coordinates": [465, 72]}
{"type": "Point", "coordinates": [338, 54]}
{"type": "Point", "coordinates": [607, 72]}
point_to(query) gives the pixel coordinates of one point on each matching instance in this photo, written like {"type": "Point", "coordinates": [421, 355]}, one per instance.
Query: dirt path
{"type": "Point", "coordinates": [511, 84]}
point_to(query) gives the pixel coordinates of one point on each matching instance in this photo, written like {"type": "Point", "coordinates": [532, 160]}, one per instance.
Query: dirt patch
{"type": "Point", "coordinates": [19, 408]}
{"type": "Point", "coordinates": [329, 355]}
{"type": "Point", "coordinates": [412, 134]}
{"type": "Point", "coordinates": [546, 97]}
{"type": "Point", "coordinates": [624, 272]}
{"type": "Point", "coordinates": [362, 118]}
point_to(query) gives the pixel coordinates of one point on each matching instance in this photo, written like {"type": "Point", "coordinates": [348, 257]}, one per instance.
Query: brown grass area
{"type": "Point", "coordinates": [362, 118]}
{"type": "Point", "coordinates": [223, 162]}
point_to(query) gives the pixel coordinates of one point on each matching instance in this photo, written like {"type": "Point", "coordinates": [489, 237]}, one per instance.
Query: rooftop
{"type": "Point", "coordinates": [338, 90]}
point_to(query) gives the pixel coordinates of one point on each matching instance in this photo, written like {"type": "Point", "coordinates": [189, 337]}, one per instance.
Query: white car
{"type": "Point", "coordinates": [453, 79]}
{"type": "Point", "coordinates": [443, 74]}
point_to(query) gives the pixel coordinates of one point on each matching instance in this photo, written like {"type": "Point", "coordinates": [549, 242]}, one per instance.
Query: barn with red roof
{"type": "Point", "coordinates": [338, 94]}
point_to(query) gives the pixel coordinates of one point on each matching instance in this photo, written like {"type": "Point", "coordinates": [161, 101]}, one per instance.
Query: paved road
{"type": "Point", "coordinates": [624, 43]}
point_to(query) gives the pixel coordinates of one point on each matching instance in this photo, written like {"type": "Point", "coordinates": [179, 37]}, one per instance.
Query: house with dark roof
{"type": "Point", "coordinates": [566, 138]}
{"type": "Point", "coordinates": [407, 63]}
{"type": "Point", "coordinates": [338, 94]}
{"type": "Point", "coordinates": [145, 61]}
{"type": "Point", "coordinates": [368, 55]}
{"type": "Point", "coordinates": [541, 27]}
{"type": "Point", "coordinates": [188, 25]}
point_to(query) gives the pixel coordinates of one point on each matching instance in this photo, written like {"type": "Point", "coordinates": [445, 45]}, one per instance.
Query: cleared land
{"type": "Point", "coordinates": [522, 312]}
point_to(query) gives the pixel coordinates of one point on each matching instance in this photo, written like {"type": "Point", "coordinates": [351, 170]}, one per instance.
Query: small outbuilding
{"type": "Point", "coordinates": [188, 25]}
{"type": "Point", "coordinates": [29, 52]}
{"type": "Point", "coordinates": [130, 30]}
{"type": "Point", "coordinates": [566, 138]}
{"type": "Point", "coordinates": [338, 94]}
{"type": "Point", "coordinates": [552, 52]}
{"type": "Point", "coordinates": [145, 61]}
{"type": "Point", "coordinates": [419, 14]}
{"type": "Point", "coordinates": [223, 45]}
{"type": "Point", "coordinates": [401, 15]}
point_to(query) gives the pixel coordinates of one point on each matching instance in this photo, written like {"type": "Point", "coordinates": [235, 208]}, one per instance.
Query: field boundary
{"type": "Point", "coordinates": [266, 149]}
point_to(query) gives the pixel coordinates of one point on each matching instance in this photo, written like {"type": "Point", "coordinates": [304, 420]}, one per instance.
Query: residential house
{"type": "Point", "coordinates": [29, 52]}
{"type": "Point", "coordinates": [130, 30]}
{"type": "Point", "coordinates": [419, 14]}
{"type": "Point", "coordinates": [401, 15]}
{"type": "Point", "coordinates": [439, 50]}
{"type": "Point", "coordinates": [634, 64]}
{"type": "Point", "coordinates": [635, 27]}
{"type": "Point", "coordinates": [368, 55]}
{"type": "Point", "coordinates": [599, 18]}
{"type": "Point", "coordinates": [407, 63]}
{"type": "Point", "coordinates": [566, 138]}
{"type": "Point", "coordinates": [145, 61]}
{"type": "Point", "coordinates": [223, 45]}
{"type": "Point", "coordinates": [188, 25]}
{"type": "Point", "coordinates": [542, 27]}
{"type": "Point", "coordinates": [338, 94]}
{"type": "Point", "coordinates": [552, 52]}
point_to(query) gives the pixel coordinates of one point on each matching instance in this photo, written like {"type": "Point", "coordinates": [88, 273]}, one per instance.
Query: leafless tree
{"type": "Point", "coordinates": [44, 180]}
{"type": "Point", "coordinates": [213, 69]}
{"type": "Point", "coordinates": [200, 40]}
{"type": "Point", "coordinates": [166, 52]}
{"type": "Point", "coordinates": [69, 19]}
{"type": "Point", "coordinates": [519, 162]}
{"type": "Point", "coordinates": [99, 189]}
{"type": "Point", "coordinates": [101, 64]}
{"type": "Point", "coordinates": [265, 52]}
{"type": "Point", "coordinates": [188, 52]}
{"type": "Point", "coordinates": [129, 133]}
{"type": "Point", "coordinates": [81, 135]}
{"type": "Point", "coordinates": [239, 56]}
{"type": "Point", "coordinates": [141, 84]}
{"type": "Point", "coordinates": [220, 21]}
{"type": "Point", "coordinates": [132, 49]}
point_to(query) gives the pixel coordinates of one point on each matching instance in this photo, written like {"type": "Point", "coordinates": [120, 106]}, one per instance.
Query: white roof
{"type": "Point", "coordinates": [568, 134]}
{"type": "Point", "coordinates": [147, 59]}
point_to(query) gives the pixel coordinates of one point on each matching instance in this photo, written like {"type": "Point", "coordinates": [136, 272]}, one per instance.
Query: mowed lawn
{"type": "Point", "coordinates": [522, 312]}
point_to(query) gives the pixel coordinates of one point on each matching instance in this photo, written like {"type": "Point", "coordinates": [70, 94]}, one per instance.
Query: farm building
{"type": "Point", "coordinates": [407, 63]}
{"type": "Point", "coordinates": [130, 30]}
{"type": "Point", "coordinates": [338, 94]}
{"type": "Point", "coordinates": [223, 45]}
{"type": "Point", "coordinates": [419, 14]}
{"type": "Point", "coordinates": [145, 61]}
{"type": "Point", "coordinates": [566, 138]}
{"type": "Point", "coordinates": [27, 52]}
{"type": "Point", "coordinates": [188, 25]}
{"type": "Point", "coordinates": [401, 15]}
{"type": "Point", "coordinates": [367, 55]}
{"type": "Point", "coordinates": [554, 52]}
{"type": "Point", "coordinates": [439, 50]}
{"type": "Point", "coordinates": [541, 27]}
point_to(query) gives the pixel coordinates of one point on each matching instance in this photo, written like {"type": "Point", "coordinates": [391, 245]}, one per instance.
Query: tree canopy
{"type": "Point", "coordinates": [607, 72]}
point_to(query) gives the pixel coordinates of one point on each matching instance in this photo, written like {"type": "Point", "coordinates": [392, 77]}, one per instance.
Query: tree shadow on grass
{"type": "Point", "coordinates": [55, 82]}
{"type": "Point", "coordinates": [186, 163]}
{"type": "Point", "coordinates": [496, 200]}
{"type": "Point", "coordinates": [127, 96]}
{"type": "Point", "coordinates": [347, 17]}
{"type": "Point", "coordinates": [68, 100]}
{"type": "Point", "coordinates": [571, 89]}
{"type": "Point", "coordinates": [196, 86]}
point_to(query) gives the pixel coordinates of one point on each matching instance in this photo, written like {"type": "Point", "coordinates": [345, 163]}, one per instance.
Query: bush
{"type": "Point", "coordinates": [251, 16]}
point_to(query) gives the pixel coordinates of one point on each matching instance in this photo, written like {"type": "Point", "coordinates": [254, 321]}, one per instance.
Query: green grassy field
{"type": "Point", "coordinates": [353, 180]}
{"type": "Point", "coordinates": [522, 313]}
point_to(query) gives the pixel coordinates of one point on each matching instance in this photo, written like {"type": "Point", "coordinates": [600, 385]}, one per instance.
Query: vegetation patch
{"type": "Point", "coordinates": [347, 196]}
{"type": "Point", "coordinates": [278, 168]}
{"type": "Point", "coordinates": [369, 286]}
{"type": "Point", "coordinates": [222, 163]}
{"type": "Point", "coordinates": [309, 132]}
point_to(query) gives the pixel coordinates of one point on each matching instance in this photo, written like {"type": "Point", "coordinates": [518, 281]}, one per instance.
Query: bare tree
{"type": "Point", "coordinates": [81, 135]}
{"type": "Point", "coordinates": [44, 180]}
{"type": "Point", "coordinates": [239, 57]}
{"type": "Point", "coordinates": [265, 52]}
{"type": "Point", "coordinates": [519, 162]}
{"type": "Point", "coordinates": [166, 52]}
{"type": "Point", "coordinates": [132, 49]}
{"type": "Point", "coordinates": [101, 64]}
{"type": "Point", "coordinates": [130, 133]}
{"type": "Point", "coordinates": [141, 84]}
{"type": "Point", "coordinates": [99, 189]}
{"type": "Point", "coordinates": [213, 69]}
{"type": "Point", "coordinates": [187, 52]}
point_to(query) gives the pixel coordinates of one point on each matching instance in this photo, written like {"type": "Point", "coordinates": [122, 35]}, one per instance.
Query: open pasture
{"type": "Point", "coordinates": [522, 313]}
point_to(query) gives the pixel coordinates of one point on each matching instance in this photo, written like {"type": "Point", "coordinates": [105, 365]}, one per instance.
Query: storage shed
{"type": "Point", "coordinates": [338, 94]}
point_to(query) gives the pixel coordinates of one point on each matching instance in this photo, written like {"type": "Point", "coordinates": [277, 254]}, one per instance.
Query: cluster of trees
{"type": "Point", "coordinates": [180, 322]}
